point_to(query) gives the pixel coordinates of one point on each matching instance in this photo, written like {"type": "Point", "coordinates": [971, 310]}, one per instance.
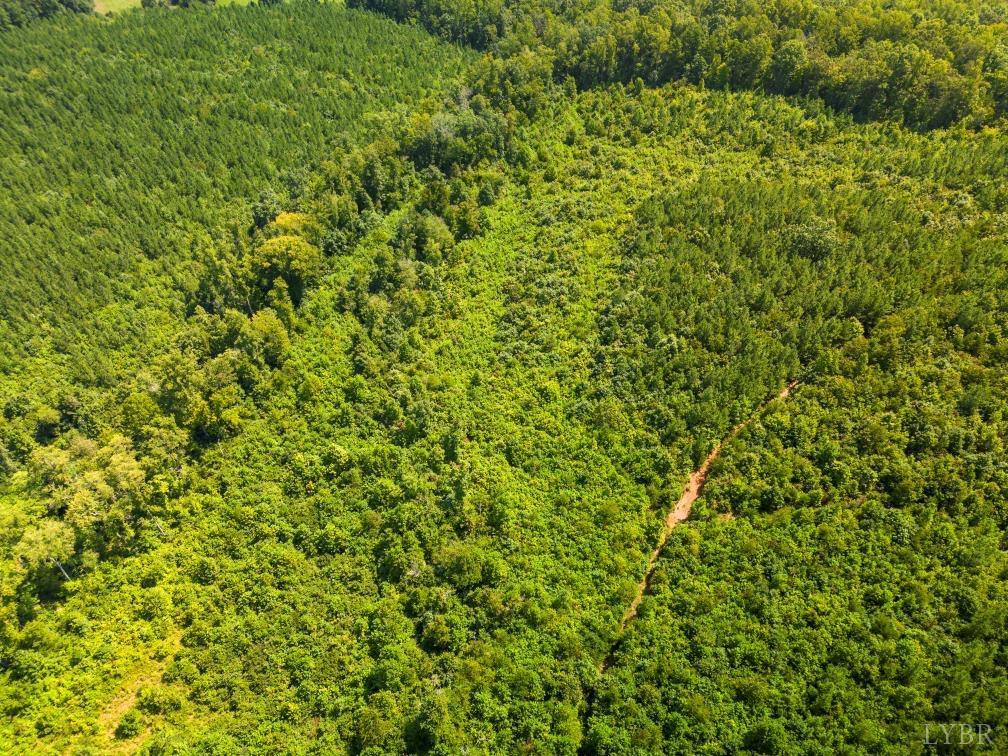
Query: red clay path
{"type": "Point", "coordinates": [684, 506]}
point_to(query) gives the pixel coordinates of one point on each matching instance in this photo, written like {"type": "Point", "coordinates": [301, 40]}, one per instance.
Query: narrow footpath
{"type": "Point", "coordinates": [680, 512]}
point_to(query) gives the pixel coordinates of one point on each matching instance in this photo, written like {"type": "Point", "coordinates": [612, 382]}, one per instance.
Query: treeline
{"type": "Point", "coordinates": [924, 64]}
{"type": "Point", "coordinates": [14, 13]}
{"type": "Point", "coordinates": [96, 492]}
{"type": "Point", "coordinates": [239, 304]}
{"type": "Point", "coordinates": [168, 149]}
{"type": "Point", "coordinates": [179, 3]}
{"type": "Point", "coordinates": [90, 496]}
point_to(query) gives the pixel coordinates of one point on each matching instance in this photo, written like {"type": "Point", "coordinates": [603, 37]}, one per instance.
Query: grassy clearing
{"type": "Point", "coordinates": [115, 6]}
{"type": "Point", "coordinates": [118, 6]}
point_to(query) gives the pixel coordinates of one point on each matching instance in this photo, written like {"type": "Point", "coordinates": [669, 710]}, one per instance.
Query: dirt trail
{"type": "Point", "coordinates": [681, 511]}
{"type": "Point", "coordinates": [145, 672]}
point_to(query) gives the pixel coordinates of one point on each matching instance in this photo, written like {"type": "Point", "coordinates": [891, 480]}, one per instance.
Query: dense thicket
{"type": "Point", "coordinates": [393, 482]}
{"type": "Point", "coordinates": [925, 64]}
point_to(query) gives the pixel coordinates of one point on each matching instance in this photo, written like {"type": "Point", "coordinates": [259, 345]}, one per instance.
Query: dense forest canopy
{"type": "Point", "coordinates": [128, 146]}
{"type": "Point", "coordinates": [14, 13]}
{"type": "Point", "coordinates": [351, 377]}
{"type": "Point", "coordinates": [926, 64]}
